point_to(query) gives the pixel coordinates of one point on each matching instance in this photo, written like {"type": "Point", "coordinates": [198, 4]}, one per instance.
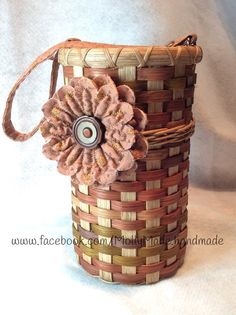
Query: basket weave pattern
{"type": "Point", "coordinates": [150, 205]}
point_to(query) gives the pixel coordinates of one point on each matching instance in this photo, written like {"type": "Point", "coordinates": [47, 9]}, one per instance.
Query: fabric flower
{"type": "Point", "coordinates": [92, 129]}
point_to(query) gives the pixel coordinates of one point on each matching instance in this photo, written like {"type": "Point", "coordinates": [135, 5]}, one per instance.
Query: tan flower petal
{"type": "Point", "coordinates": [48, 150]}
{"type": "Point", "coordinates": [69, 161]}
{"type": "Point", "coordinates": [108, 175]}
{"type": "Point", "coordinates": [48, 130]}
{"type": "Point", "coordinates": [107, 95]}
{"type": "Point", "coordinates": [126, 162]}
{"type": "Point", "coordinates": [89, 172]}
{"type": "Point", "coordinates": [45, 129]}
{"type": "Point", "coordinates": [118, 113]}
{"type": "Point", "coordinates": [85, 94]}
{"type": "Point", "coordinates": [122, 134]}
{"type": "Point", "coordinates": [63, 144]}
{"type": "Point", "coordinates": [77, 164]}
{"type": "Point", "coordinates": [53, 113]}
{"type": "Point", "coordinates": [128, 175]}
{"type": "Point", "coordinates": [139, 120]}
{"type": "Point", "coordinates": [102, 79]}
{"type": "Point", "coordinates": [88, 158]}
{"type": "Point", "coordinates": [68, 103]}
{"type": "Point", "coordinates": [62, 166]}
{"type": "Point", "coordinates": [86, 177]}
{"type": "Point", "coordinates": [74, 154]}
{"type": "Point", "coordinates": [126, 94]}
{"type": "Point", "coordinates": [140, 148]}
{"type": "Point", "coordinates": [110, 152]}
{"type": "Point", "coordinates": [100, 158]}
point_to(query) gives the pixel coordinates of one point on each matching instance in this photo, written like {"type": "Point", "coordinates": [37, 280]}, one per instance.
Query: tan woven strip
{"type": "Point", "coordinates": [155, 184]}
{"type": "Point", "coordinates": [106, 204]}
{"type": "Point", "coordinates": [75, 224]}
{"type": "Point", "coordinates": [128, 74]}
{"type": "Point", "coordinates": [85, 225]}
{"type": "Point", "coordinates": [78, 71]}
{"type": "Point", "coordinates": [178, 92]}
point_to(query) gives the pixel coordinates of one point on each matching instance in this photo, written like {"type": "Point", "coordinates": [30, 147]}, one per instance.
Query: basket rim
{"type": "Point", "coordinates": [94, 55]}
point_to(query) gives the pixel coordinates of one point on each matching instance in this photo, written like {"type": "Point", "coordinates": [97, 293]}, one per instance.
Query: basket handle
{"type": "Point", "coordinates": [51, 53]}
{"type": "Point", "coordinates": [189, 40]}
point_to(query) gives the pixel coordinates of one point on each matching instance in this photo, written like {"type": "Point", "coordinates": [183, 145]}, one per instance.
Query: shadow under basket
{"type": "Point", "coordinates": [134, 230]}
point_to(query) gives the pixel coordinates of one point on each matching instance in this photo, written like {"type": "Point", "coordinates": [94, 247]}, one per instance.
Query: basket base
{"type": "Point", "coordinates": [129, 279]}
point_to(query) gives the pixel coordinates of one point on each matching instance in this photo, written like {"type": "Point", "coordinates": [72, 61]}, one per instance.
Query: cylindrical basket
{"type": "Point", "coordinates": [131, 231]}
{"type": "Point", "coordinates": [134, 230]}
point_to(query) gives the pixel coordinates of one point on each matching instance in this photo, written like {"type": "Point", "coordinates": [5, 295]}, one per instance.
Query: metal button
{"type": "Point", "coordinates": [87, 131]}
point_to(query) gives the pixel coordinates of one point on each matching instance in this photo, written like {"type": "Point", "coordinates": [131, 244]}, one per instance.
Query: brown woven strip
{"type": "Point", "coordinates": [157, 73]}
{"type": "Point", "coordinates": [81, 215]}
{"type": "Point", "coordinates": [128, 225]}
{"type": "Point", "coordinates": [104, 213]}
{"type": "Point", "coordinates": [138, 206]}
{"type": "Point", "coordinates": [151, 175]}
{"type": "Point", "coordinates": [154, 267]}
{"type": "Point", "coordinates": [152, 194]}
{"type": "Point", "coordinates": [143, 215]}
{"type": "Point", "coordinates": [89, 268]}
{"type": "Point", "coordinates": [136, 85]}
{"type": "Point", "coordinates": [107, 266]}
{"type": "Point", "coordinates": [103, 194]}
{"type": "Point", "coordinates": [171, 217]}
{"type": "Point", "coordinates": [153, 96]}
{"type": "Point", "coordinates": [170, 270]}
{"type": "Point", "coordinates": [127, 186]}
{"type": "Point", "coordinates": [175, 105]}
{"type": "Point", "coordinates": [190, 69]}
{"type": "Point", "coordinates": [93, 72]}
{"type": "Point", "coordinates": [128, 206]}
{"type": "Point", "coordinates": [175, 83]}
{"type": "Point", "coordinates": [128, 279]}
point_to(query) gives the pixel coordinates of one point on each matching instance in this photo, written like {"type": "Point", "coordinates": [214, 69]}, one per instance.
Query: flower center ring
{"type": "Point", "coordinates": [87, 131]}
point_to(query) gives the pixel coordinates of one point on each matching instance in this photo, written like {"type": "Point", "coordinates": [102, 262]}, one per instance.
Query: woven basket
{"type": "Point", "coordinates": [134, 230]}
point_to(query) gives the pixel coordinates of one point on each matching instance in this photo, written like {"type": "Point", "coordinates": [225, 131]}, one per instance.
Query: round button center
{"type": "Point", "coordinates": [87, 132]}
